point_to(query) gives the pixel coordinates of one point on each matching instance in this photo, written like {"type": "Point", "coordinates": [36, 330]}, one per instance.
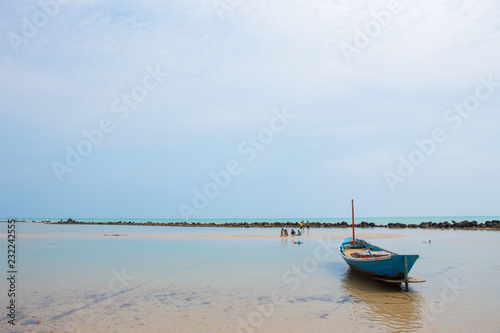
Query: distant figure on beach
{"type": "Point", "coordinates": [299, 233]}
{"type": "Point", "coordinates": [302, 224]}
{"type": "Point", "coordinates": [286, 232]}
{"type": "Point", "coordinates": [293, 232]}
{"type": "Point", "coordinates": [282, 232]}
{"type": "Point", "coordinates": [307, 224]}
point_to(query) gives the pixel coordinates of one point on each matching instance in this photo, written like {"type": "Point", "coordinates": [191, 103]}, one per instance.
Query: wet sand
{"type": "Point", "coordinates": [219, 233]}
{"type": "Point", "coordinates": [330, 236]}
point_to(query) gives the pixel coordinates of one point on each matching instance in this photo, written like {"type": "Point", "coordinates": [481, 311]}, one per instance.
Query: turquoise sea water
{"type": "Point", "coordinates": [376, 220]}
{"type": "Point", "coordinates": [72, 279]}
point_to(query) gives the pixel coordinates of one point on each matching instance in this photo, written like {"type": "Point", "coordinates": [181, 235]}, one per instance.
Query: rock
{"type": "Point", "coordinates": [492, 224]}
{"type": "Point", "coordinates": [425, 225]}
{"type": "Point", "coordinates": [396, 225]}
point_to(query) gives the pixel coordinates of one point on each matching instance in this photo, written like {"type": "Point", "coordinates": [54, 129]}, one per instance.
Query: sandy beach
{"type": "Point", "coordinates": [236, 234]}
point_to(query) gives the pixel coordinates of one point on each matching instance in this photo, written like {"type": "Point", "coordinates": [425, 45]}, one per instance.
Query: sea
{"type": "Point", "coordinates": [100, 278]}
{"type": "Point", "coordinates": [376, 220]}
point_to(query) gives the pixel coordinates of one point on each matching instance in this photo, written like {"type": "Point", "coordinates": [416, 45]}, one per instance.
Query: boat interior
{"type": "Point", "coordinates": [363, 249]}
{"type": "Point", "coordinates": [365, 253]}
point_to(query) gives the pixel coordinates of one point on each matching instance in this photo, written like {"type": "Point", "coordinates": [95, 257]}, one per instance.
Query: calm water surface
{"type": "Point", "coordinates": [70, 278]}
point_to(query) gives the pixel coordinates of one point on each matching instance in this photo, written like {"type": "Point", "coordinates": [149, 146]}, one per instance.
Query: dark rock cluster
{"type": "Point", "coordinates": [494, 224]}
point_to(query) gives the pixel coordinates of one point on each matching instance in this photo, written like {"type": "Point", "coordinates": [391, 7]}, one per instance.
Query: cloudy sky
{"type": "Point", "coordinates": [249, 109]}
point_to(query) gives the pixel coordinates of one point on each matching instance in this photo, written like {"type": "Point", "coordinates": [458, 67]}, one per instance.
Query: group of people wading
{"type": "Point", "coordinates": [302, 226]}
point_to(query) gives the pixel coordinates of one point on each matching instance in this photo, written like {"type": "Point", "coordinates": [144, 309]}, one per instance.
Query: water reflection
{"type": "Point", "coordinates": [378, 304]}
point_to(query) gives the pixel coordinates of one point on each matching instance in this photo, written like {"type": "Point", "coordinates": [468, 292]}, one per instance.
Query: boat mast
{"type": "Point", "coordinates": [353, 238]}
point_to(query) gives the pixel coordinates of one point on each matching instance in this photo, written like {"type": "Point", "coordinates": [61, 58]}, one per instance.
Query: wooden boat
{"type": "Point", "coordinates": [375, 261]}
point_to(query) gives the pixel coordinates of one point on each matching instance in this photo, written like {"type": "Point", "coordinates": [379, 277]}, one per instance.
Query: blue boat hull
{"type": "Point", "coordinates": [391, 266]}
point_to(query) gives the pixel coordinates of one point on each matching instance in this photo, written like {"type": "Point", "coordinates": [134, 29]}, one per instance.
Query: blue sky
{"type": "Point", "coordinates": [353, 118]}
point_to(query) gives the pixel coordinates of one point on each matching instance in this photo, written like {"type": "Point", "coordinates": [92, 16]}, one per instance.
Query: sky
{"type": "Point", "coordinates": [191, 109]}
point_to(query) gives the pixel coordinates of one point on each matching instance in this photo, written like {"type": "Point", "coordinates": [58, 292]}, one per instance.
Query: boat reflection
{"type": "Point", "coordinates": [381, 305]}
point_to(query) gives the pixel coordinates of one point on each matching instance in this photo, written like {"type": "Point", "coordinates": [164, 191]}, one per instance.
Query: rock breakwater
{"type": "Point", "coordinates": [463, 225]}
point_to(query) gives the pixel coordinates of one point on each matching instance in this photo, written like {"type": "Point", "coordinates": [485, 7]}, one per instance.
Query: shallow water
{"type": "Point", "coordinates": [72, 278]}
